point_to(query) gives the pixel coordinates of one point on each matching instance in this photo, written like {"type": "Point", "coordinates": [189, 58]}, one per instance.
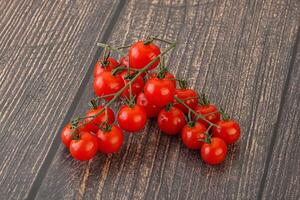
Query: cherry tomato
{"type": "Point", "coordinates": [110, 141]}
{"type": "Point", "coordinates": [215, 152]}
{"type": "Point", "coordinates": [159, 92]}
{"type": "Point", "coordinates": [189, 96]}
{"type": "Point", "coordinates": [136, 87]}
{"type": "Point", "coordinates": [124, 61]}
{"type": "Point", "coordinates": [192, 135]}
{"type": "Point", "coordinates": [168, 76]}
{"type": "Point", "coordinates": [141, 54]}
{"type": "Point", "coordinates": [228, 130]}
{"type": "Point", "coordinates": [66, 135]}
{"type": "Point", "coordinates": [106, 83]}
{"type": "Point", "coordinates": [171, 120]}
{"type": "Point", "coordinates": [108, 65]}
{"type": "Point", "coordinates": [85, 147]}
{"type": "Point", "coordinates": [92, 124]}
{"type": "Point", "coordinates": [133, 118]}
{"type": "Point", "coordinates": [151, 110]}
{"type": "Point", "coordinates": [214, 117]}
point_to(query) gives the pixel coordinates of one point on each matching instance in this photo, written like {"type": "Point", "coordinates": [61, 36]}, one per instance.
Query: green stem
{"type": "Point", "coordinates": [117, 94]}
{"type": "Point", "coordinates": [194, 112]}
{"type": "Point", "coordinates": [111, 48]}
{"type": "Point", "coordinates": [162, 40]}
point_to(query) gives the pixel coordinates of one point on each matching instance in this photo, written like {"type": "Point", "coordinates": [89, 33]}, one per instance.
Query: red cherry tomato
{"type": "Point", "coordinates": [159, 92]}
{"type": "Point", "coordinates": [189, 96]}
{"type": "Point", "coordinates": [136, 87]}
{"type": "Point", "coordinates": [151, 110]}
{"type": "Point", "coordinates": [92, 124]}
{"type": "Point", "coordinates": [192, 135]}
{"type": "Point", "coordinates": [66, 135]}
{"type": "Point", "coordinates": [228, 130]}
{"type": "Point", "coordinates": [171, 121]}
{"type": "Point", "coordinates": [110, 141]}
{"type": "Point", "coordinates": [141, 54]}
{"type": "Point", "coordinates": [85, 147]}
{"type": "Point", "coordinates": [106, 83]}
{"type": "Point", "coordinates": [205, 110]}
{"type": "Point", "coordinates": [133, 118]}
{"type": "Point", "coordinates": [108, 65]}
{"type": "Point", "coordinates": [124, 61]}
{"type": "Point", "coordinates": [168, 76]}
{"type": "Point", "coordinates": [215, 152]}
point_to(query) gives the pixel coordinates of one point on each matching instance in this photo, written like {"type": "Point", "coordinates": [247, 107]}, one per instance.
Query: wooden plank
{"type": "Point", "coordinates": [46, 48]}
{"type": "Point", "coordinates": [237, 52]}
{"type": "Point", "coordinates": [283, 180]}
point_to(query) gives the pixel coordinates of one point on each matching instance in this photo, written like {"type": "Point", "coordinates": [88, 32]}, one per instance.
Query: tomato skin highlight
{"type": "Point", "coordinates": [124, 61]}
{"type": "Point", "coordinates": [171, 122]}
{"type": "Point", "coordinates": [106, 83]}
{"type": "Point", "coordinates": [189, 96]}
{"type": "Point", "coordinates": [140, 55]}
{"type": "Point", "coordinates": [99, 68]}
{"type": "Point", "coordinates": [192, 136]}
{"type": "Point", "coordinates": [110, 141]}
{"type": "Point", "coordinates": [159, 92]}
{"type": "Point", "coordinates": [136, 87]}
{"type": "Point", "coordinates": [151, 110]}
{"type": "Point", "coordinates": [132, 119]}
{"type": "Point", "coordinates": [66, 135]}
{"type": "Point", "coordinates": [92, 124]}
{"type": "Point", "coordinates": [214, 117]}
{"type": "Point", "coordinates": [228, 130]}
{"type": "Point", "coordinates": [215, 152]}
{"type": "Point", "coordinates": [85, 147]}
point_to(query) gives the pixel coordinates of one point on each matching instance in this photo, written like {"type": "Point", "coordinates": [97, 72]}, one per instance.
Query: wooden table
{"type": "Point", "coordinates": [245, 54]}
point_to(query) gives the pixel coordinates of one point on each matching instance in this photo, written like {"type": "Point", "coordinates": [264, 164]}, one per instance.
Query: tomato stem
{"type": "Point", "coordinates": [194, 112]}
{"type": "Point", "coordinates": [111, 48]}
{"type": "Point", "coordinates": [203, 100]}
{"type": "Point", "coordinates": [140, 72]}
{"type": "Point", "coordinates": [93, 103]}
{"type": "Point", "coordinates": [225, 116]}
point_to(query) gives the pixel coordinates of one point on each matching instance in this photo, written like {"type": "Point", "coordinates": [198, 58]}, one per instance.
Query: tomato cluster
{"type": "Point", "coordinates": [178, 110]}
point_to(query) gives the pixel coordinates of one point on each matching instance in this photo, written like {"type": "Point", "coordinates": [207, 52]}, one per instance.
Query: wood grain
{"type": "Point", "coordinates": [283, 181]}
{"type": "Point", "coordinates": [238, 53]}
{"type": "Point", "coordinates": [46, 48]}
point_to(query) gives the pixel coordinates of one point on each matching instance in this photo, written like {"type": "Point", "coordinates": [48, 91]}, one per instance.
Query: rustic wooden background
{"type": "Point", "coordinates": [244, 53]}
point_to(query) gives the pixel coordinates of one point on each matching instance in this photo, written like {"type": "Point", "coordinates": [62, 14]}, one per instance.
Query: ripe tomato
{"type": "Point", "coordinates": [171, 120]}
{"type": "Point", "coordinates": [215, 152]}
{"type": "Point", "coordinates": [151, 110]}
{"type": "Point", "coordinates": [124, 61]}
{"type": "Point", "coordinates": [107, 65]}
{"type": "Point", "coordinates": [159, 92]}
{"type": "Point", "coordinates": [168, 76]}
{"type": "Point", "coordinates": [228, 130]}
{"type": "Point", "coordinates": [110, 141]}
{"type": "Point", "coordinates": [192, 135]}
{"type": "Point", "coordinates": [141, 54]}
{"type": "Point", "coordinates": [214, 117]}
{"type": "Point", "coordinates": [85, 147]}
{"type": "Point", "coordinates": [66, 135]}
{"type": "Point", "coordinates": [92, 124]}
{"type": "Point", "coordinates": [136, 87]}
{"type": "Point", "coordinates": [189, 96]}
{"type": "Point", "coordinates": [133, 118]}
{"type": "Point", "coordinates": [106, 83]}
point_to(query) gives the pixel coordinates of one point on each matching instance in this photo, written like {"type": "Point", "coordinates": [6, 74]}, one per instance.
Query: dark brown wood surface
{"type": "Point", "coordinates": [244, 54]}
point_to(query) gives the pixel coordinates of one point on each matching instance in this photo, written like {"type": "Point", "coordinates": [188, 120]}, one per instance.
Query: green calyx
{"type": "Point", "coordinates": [183, 84]}
{"type": "Point", "coordinates": [93, 104]}
{"type": "Point", "coordinates": [225, 116]}
{"type": "Point", "coordinates": [203, 100]}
